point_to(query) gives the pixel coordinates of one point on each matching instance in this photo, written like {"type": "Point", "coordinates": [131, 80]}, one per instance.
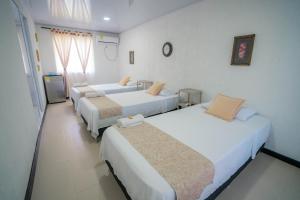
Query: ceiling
{"type": "Point", "coordinates": [124, 14]}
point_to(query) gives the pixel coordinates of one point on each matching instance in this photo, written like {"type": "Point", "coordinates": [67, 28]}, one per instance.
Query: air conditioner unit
{"type": "Point", "coordinates": [108, 39]}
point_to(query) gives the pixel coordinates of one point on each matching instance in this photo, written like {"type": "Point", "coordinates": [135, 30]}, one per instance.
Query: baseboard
{"type": "Point", "coordinates": [34, 161]}
{"type": "Point", "coordinates": [281, 157]}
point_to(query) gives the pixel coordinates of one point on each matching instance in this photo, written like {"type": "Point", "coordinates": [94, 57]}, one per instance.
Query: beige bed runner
{"type": "Point", "coordinates": [187, 171]}
{"type": "Point", "coordinates": [107, 108]}
{"type": "Point", "coordinates": [85, 89]}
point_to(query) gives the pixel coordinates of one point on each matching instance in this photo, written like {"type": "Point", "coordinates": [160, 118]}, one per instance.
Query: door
{"type": "Point", "coordinates": [28, 61]}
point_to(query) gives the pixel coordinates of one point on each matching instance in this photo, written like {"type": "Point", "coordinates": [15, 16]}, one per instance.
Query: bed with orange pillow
{"type": "Point", "coordinates": [229, 143]}
{"type": "Point", "coordinates": [131, 103]}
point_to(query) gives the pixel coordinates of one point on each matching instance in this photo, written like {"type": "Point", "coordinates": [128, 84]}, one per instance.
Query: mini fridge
{"type": "Point", "coordinates": [55, 88]}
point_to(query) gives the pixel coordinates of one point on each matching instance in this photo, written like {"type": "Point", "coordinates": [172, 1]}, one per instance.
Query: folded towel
{"type": "Point", "coordinates": [95, 94]}
{"type": "Point", "coordinates": [130, 121]}
{"type": "Point", "coordinates": [80, 84]}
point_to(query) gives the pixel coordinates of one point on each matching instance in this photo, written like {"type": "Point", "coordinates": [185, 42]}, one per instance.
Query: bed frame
{"type": "Point", "coordinates": [100, 130]}
{"type": "Point", "coordinates": [213, 196]}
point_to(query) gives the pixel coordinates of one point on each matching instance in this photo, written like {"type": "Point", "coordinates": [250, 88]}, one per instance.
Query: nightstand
{"type": "Point", "coordinates": [188, 97]}
{"type": "Point", "coordinates": [143, 84]}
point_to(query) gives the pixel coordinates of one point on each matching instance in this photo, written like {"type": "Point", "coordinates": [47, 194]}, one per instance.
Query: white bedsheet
{"type": "Point", "coordinates": [132, 103]}
{"type": "Point", "coordinates": [227, 144]}
{"type": "Point", "coordinates": [110, 88]}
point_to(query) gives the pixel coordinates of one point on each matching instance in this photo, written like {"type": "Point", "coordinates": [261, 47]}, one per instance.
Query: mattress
{"type": "Point", "coordinates": [227, 144]}
{"type": "Point", "coordinates": [132, 103]}
{"type": "Point", "coordinates": [107, 88]}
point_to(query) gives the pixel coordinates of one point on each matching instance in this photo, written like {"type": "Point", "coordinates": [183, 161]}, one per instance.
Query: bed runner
{"type": "Point", "coordinates": [187, 171]}
{"type": "Point", "coordinates": [85, 89]}
{"type": "Point", "coordinates": [107, 108]}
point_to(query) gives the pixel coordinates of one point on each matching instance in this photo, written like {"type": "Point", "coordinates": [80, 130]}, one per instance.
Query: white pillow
{"type": "Point", "coordinates": [205, 105]}
{"type": "Point", "coordinates": [99, 93]}
{"type": "Point", "coordinates": [131, 83]}
{"type": "Point", "coordinates": [166, 92]}
{"type": "Point", "coordinates": [245, 113]}
{"type": "Point", "coordinates": [80, 84]}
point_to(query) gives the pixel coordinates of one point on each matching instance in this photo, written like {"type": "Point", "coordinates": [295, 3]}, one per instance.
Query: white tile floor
{"type": "Point", "coordinates": [69, 167]}
{"type": "Point", "coordinates": [68, 164]}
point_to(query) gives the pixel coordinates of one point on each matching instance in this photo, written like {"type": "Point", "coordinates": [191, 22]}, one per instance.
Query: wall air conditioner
{"type": "Point", "coordinates": [108, 39]}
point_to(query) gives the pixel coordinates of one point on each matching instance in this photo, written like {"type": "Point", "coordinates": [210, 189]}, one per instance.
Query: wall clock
{"type": "Point", "coordinates": [167, 49]}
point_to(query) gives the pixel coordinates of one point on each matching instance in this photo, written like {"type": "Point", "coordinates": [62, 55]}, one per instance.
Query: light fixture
{"type": "Point", "coordinates": [106, 18]}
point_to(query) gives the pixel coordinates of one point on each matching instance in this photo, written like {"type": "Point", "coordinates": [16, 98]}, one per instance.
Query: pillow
{"type": "Point", "coordinates": [156, 88]}
{"type": "Point", "coordinates": [95, 94]}
{"type": "Point", "coordinates": [245, 113]}
{"type": "Point", "coordinates": [80, 84]}
{"type": "Point", "coordinates": [166, 92]}
{"type": "Point", "coordinates": [205, 105]}
{"type": "Point", "coordinates": [225, 107]}
{"type": "Point", "coordinates": [124, 80]}
{"type": "Point", "coordinates": [131, 83]}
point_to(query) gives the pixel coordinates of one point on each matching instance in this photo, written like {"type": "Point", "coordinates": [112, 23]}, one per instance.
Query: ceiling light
{"type": "Point", "coordinates": [106, 18]}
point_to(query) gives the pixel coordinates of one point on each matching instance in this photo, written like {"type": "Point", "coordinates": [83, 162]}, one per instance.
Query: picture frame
{"type": "Point", "coordinates": [37, 55]}
{"type": "Point", "coordinates": [36, 37]}
{"type": "Point", "coordinates": [242, 50]}
{"type": "Point", "coordinates": [131, 57]}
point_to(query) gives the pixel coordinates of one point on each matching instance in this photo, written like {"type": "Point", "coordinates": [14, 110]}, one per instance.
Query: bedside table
{"type": "Point", "coordinates": [143, 84]}
{"type": "Point", "coordinates": [188, 97]}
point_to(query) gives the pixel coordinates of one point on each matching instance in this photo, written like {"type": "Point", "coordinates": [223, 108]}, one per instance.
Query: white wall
{"type": "Point", "coordinates": [18, 123]}
{"type": "Point", "coordinates": [202, 36]}
{"type": "Point", "coordinates": [106, 71]}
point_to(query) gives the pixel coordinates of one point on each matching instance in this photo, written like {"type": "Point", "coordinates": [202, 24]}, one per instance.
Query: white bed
{"type": "Point", "coordinates": [110, 88]}
{"type": "Point", "coordinates": [132, 103]}
{"type": "Point", "coordinates": [227, 144]}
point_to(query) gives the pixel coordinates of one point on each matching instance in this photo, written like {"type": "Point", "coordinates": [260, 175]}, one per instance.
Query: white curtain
{"type": "Point", "coordinates": [63, 41]}
{"type": "Point", "coordinates": [83, 43]}
{"type": "Point", "coordinates": [75, 77]}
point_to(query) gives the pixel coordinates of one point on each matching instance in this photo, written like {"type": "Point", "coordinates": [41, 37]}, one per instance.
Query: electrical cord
{"type": "Point", "coordinates": [109, 58]}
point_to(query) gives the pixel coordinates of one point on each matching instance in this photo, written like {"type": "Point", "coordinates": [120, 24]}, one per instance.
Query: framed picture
{"type": "Point", "coordinates": [242, 50]}
{"type": "Point", "coordinates": [131, 57]}
{"type": "Point", "coordinates": [37, 55]}
{"type": "Point", "coordinates": [36, 37]}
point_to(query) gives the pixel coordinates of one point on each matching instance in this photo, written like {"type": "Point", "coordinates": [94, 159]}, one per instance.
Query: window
{"type": "Point", "coordinates": [74, 65]}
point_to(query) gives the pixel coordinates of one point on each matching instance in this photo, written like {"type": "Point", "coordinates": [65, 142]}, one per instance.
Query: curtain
{"type": "Point", "coordinates": [63, 41]}
{"type": "Point", "coordinates": [83, 43]}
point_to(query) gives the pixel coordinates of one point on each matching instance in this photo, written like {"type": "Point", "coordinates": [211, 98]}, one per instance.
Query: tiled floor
{"type": "Point", "coordinates": [68, 164]}
{"type": "Point", "coordinates": [69, 167]}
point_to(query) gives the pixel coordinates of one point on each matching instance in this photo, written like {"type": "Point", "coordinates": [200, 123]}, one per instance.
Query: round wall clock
{"type": "Point", "coordinates": [167, 49]}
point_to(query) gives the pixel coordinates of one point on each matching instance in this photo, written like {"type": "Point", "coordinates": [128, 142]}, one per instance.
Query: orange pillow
{"type": "Point", "coordinates": [225, 107]}
{"type": "Point", "coordinates": [156, 88]}
{"type": "Point", "coordinates": [124, 80]}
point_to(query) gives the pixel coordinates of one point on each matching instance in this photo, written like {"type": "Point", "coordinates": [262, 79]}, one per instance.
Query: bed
{"type": "Point", "coordinates": [132, 103]}
{"type": "Point", "coordinates": [228, 145]}
{"type": "Point", "coordinates": [110, 88]}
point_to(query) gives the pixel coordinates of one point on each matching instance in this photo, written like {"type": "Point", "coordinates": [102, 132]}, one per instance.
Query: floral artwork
{"type": "Point", "coordinates": [242, 50]}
